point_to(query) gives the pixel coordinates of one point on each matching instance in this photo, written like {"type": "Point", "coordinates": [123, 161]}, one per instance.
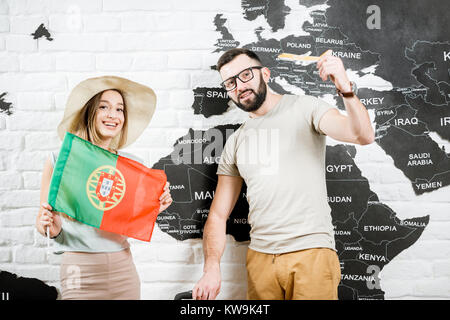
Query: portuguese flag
{"type": "Point", "coordinates": [104, 190]}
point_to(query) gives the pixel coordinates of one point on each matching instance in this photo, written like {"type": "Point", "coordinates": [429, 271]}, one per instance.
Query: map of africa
{"type": "Point", "coordinates": [405, 77]}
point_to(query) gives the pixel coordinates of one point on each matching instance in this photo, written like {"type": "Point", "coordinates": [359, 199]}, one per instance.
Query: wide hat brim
{"type": "Point", "coordinates": [140, 102]}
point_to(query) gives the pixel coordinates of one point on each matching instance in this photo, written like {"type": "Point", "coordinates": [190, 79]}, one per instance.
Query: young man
{"type": "Point", "coordinates": [280, 154]}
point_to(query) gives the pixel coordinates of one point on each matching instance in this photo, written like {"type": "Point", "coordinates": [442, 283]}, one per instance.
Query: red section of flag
{"type": "Point", "coordinates": [135, 215]}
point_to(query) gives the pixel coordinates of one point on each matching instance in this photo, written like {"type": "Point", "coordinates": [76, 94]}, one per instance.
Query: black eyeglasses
{"type": "Point", "coordinates": [245, 76]}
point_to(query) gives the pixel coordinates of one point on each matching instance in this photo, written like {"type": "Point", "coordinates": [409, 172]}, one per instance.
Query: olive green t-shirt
{"type": "Point", "coordinates": [281, 157]}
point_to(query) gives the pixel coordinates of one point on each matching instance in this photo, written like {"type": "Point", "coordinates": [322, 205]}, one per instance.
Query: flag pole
{"type": "Point", "coordinates": [48, 242]}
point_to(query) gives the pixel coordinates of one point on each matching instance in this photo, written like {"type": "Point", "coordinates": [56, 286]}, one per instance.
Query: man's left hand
{"type": "Point", "coordinates": [331, 66]}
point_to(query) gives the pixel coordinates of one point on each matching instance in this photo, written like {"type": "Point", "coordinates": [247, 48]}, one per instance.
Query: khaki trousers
{"type": "Point", "coordinates": [99, 276]}
{"type": "Point", "coordinates": [312, 274]}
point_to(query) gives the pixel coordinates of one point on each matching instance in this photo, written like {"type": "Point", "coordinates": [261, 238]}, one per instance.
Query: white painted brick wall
{"type": "Point", "coordinates": [167, 45]}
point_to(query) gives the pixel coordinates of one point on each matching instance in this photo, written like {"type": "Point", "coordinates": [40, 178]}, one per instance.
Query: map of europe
{"type": "Point", "coordinates": [407, 87]}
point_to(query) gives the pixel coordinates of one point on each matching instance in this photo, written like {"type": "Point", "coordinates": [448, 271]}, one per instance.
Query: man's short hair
{"type": "Point", "coordinates": [233, 53]}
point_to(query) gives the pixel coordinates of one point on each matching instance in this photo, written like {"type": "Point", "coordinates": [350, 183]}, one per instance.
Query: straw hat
{"type": "Point", "coordinates": [140, 101]}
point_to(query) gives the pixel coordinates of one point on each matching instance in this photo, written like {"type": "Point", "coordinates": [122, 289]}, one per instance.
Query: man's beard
{"type": "Point", "coordinates": [260, 97]}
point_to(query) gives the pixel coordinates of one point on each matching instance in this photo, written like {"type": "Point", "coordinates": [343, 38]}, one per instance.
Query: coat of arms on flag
{"type": "Point", "coordinates": [105, 187]}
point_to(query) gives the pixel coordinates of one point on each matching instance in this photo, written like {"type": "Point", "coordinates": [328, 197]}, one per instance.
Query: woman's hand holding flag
{"type": "Point", "coordinates": [165, 199]}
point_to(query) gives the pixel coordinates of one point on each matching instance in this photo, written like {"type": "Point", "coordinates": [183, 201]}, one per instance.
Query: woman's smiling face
{"type": "Point", "coordinates": [110, 115]}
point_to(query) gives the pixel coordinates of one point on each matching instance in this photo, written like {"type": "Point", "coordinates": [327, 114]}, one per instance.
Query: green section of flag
{"type": "Point", "coordinates": [69, 188]}
{"type": "Point", "coordinates": [58, 170]}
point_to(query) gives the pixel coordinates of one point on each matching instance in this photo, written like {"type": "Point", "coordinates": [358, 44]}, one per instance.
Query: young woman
{"type": "Point", "coordinates": [110, 112]}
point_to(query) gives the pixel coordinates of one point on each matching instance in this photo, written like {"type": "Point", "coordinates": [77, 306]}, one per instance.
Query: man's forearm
{"type": "Point", "coordinates": [214, 240]}
{"type": "Point", "coordinates": [357, 127]}
{"type": "Point", "coordinates": [359, 119]}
